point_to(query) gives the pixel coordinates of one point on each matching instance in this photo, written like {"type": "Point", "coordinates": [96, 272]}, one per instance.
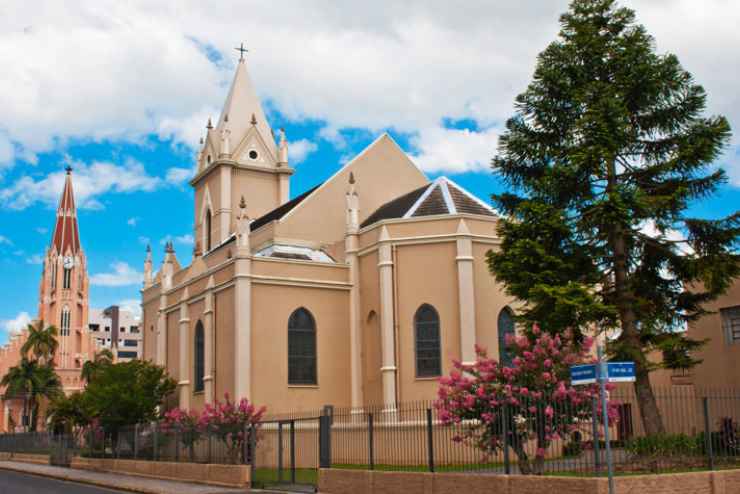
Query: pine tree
{"type": "Point", "coordinates": [607, 149]}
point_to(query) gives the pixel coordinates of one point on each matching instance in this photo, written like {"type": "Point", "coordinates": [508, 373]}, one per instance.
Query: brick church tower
{"type": "Point", "coordinates": [64, 291]}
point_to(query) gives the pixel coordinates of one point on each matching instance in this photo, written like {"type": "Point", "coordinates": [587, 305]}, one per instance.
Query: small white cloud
{"type": "Point", "coordinates": [122, 275]}
{"type": "Point", "coordinates": [144, 240]}
{"type": "Point", "coordinates": [5, 240]}
{"type": "Point", "coordinates": [15, 325]}
{"type": "Point", "coordinates": [300, 149]}
{"type": "Point", "coordinates": [177, 176]}
{"type": "Point", "coordinates": [35, 259]}
{"type": "Point", "coordinates": [41, 230]}
{"type": "Point", "coordinates": [186, 239]}
{"type": "Point", "coordinates": [651, 230]}
{"type": "Point", "coordinates": [91, 181]}
{"type": "Point", "coordinates": [332, 134]}
{"type": "Point", "coordinates": [133, 221]}
{"type": "Point", "coordinates": [131, 305]}
{"type": "Point", "coordinates": [454, 150]}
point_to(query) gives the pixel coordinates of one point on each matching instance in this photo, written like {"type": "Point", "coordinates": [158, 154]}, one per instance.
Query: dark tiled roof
{"type": "Point", "coordinates": [465, 204]}
{"type": "Point", "coordinates": [434, 203]}
{"type": "Point", "coordinates": [280, 211]}
{"type": "Point", "coordinates": [395, 208]}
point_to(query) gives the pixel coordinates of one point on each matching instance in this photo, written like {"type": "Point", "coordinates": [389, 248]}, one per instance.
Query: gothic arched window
{"type": "Point", "coordinates": [67, 280]}
{"type": "Point", "coordinates": [301, 348]}
{"type": "Point", "coordinates": [505, 327]}
{"type": "Point", "coordinates": [427, 337]}
{"type": "Point", "coordinates": [65, 321]}
{"type": "Point", "coordinates": [199, 358]}
{"type": "Point", "coordinates": [207, 227]}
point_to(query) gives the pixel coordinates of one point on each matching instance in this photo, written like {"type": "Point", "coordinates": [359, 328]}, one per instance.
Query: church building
{"type": "Point", "coordinates": [359, 291]}
{"type": "Point", "coordinates": [63, 303]}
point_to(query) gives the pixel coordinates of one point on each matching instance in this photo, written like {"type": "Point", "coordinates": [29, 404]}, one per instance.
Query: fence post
{"type": "Point", "coordinates": [595, 432]}
{"type": "Point", "coordinates": [245, 444]}
{"type": "Point", "coordinates": [177, 445]}
{"type": "Point", "coordinates": [280, 452]}
{"type": "Point", "coordinates": [136, 441]}
{"type": "Point", "coordinates": [371, 445]}
{"type": "Point", "coordinates": [155, 452]}
{"type": "Point", "coordinates": [430, 440]}
{"type": "Point", "coordinates": [292, 451]}
{"type": "Point", "coordinates": [210, 444]}
{"type": "Point", "coordinates": [708, 433]}
{"type": "Point", "coordinates": [505, 434]}
{"type": "Point", "coordinates": [253, 448]}
{"type": "Point", "coordinates": [324, 441]}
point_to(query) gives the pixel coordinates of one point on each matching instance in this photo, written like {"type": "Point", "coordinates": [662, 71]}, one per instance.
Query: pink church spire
{"type": "Point", "coordinates": [66, 238]}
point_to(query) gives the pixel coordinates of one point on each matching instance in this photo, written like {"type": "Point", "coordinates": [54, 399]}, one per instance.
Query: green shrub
{"type": "Point", "coordinates": [665, 445]}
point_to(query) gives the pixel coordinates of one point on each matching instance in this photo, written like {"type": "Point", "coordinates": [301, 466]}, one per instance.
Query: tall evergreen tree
{"type": "Point", "coordinates": [607, 149]}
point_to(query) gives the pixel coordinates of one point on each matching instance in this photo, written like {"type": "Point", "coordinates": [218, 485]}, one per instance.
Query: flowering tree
{"type": "Point", "coordinates": [232, 423]}
{"type": "Point", "coordinates": [530, 401]}
{"type": "Point", "coordinates": [187, 425]}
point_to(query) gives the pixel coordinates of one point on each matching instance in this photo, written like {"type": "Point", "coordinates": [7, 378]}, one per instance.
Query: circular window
{"type": "Point", "coordinates": [253, 154]}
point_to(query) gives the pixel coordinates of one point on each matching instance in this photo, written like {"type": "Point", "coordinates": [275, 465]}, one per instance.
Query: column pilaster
{"type": "Point", "coordinates": [387, 319]}
{"type": "Point", "coordinates": [466, 293]}
{"type": "Point", "coordinates": [184, 340]}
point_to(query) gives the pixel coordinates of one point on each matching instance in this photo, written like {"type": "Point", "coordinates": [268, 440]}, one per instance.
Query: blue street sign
{"type": "Point", "coordinates": [583, 374]}
{"type": "Point", "coordinates": [617, 372]}
{"type": "Point", "coordinates": [621, 372]}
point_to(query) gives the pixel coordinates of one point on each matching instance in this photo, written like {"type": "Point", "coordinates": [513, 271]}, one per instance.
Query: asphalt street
{"type": "Point", "coordinates": [20, 483]}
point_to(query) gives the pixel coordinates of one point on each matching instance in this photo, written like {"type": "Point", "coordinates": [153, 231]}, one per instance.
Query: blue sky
{"type": "Point", "coordinates": [122, 93]}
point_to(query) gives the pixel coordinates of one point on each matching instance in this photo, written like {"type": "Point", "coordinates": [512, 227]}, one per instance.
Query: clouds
{"type": "Point", "coordinates": [76, 71]}
{"type": "Point", "coordinates": [186, 239]}
{"type": "Point", "coordinates": [16, 324]}
{"type": "Point", "coordinates": [121, 275]}
{"type": "Point", "coordinates": [454, 150]}
{"type": "Point", "coordinates": [35, 259]}
{"type": "Point", "coordinates": [300, 149]}
{"type": "Point", "coordinates": [177, 176]}
{"type": "Point", "coordinates": [131, 305]}
{"type": "Point", "coordinates": [5, 240]}
{"type": "Point", "coordinates": [90, 182]}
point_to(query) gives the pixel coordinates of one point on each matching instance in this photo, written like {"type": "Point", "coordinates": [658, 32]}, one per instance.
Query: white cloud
{"type": "Point", "coordinates": [650, 229]}
{"type": "Point", "coordinates": [132, 221]}
{"type": "Point", "coordinates": [454, 150]}
{"type": "Point", "coordinates": [144, 240]}
{"type": "Point", "coordinates": [186, 239]}
{"type": "Point", "coordinates": [5, 240]}
{"type": "Point", "coordinates": [131, 305]}
{"type": "Point", "coordinates": [300, 149]}
{"type": "Point", "coordinates": [19, 322]}
{"type": "Point", "coordinates": [41, 230]}
{"type": "Point", "coordinates": [122, 275]}
{"type": "Point", "coordinates": [35, 259]}
{"type": "Point", "coordinates": [91, 181]}
{"type": "Point", "coordinates": [74, 70]}
{"type": "Point", "coordinates": [178, 175]}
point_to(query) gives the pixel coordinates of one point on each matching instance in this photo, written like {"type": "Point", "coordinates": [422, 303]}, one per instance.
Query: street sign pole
{"type": "Point", "coordinates": [603, 376]}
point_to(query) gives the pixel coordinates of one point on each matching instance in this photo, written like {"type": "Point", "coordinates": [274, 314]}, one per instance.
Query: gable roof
{"type": "Point", "coordinates": [281, 210]}
{"type": "Point", "coordinates": [443, 196]}
{"type": "Point", "coordinates": [66, 237]}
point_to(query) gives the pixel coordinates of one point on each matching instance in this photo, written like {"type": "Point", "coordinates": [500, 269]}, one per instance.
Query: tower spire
{"type": "Point", "coordinates": [66, 238]}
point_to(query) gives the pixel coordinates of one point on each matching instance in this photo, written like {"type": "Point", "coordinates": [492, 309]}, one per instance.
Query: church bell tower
{"type": "Point", "coordinates": [64, 297]}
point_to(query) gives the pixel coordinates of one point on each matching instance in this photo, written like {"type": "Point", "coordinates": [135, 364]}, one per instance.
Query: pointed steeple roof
{"type": "Point", "coordinates": [66, 238]}
{"type": "Point", "coordinates": [243, 109]}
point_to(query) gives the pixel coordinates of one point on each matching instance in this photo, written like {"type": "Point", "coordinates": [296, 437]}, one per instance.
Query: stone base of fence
{"type": "Point", "coordinates": [340, 481]}
{"type": "Point", "coordinates": [25, 458]}
{"type": "Point", "coordinates": [212, 474]}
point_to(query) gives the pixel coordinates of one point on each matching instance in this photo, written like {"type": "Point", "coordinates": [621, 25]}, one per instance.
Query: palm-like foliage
{"type": "Point", "coordinates": [91, 367]}
{"type": "Point", "coordinates": [31, 381]}
{"type": "Point", "coordinates": [41, 342]}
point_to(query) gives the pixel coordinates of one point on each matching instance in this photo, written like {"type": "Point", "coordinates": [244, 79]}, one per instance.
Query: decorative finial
{"type": "Point", "coordinates": [226, 117]}
{"type": "Point", "coordinates": [210, 125]}
{"type": "Point", "coordinates": [68, 169]}
{"type": "Point", "coordinates": [169, 248]}
{"type": "Point", "coordinates": [254, 119]}
{"type": "Point", "coordinates": [241, 51]}
{"type": "Point", "coordinates": [351, 178]}
{"type": "Point", "coordinates": [148, 248]}
{"type": "Point", "coordinates": [242, 203]}
{"type": "Point", "coordinates": [201, 141]}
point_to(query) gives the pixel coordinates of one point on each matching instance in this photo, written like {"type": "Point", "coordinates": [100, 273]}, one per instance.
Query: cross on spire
{"type": "Point", "coordinates": [241, 51]}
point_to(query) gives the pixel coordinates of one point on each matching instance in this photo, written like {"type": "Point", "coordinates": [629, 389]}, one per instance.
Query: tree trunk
{"type": "Point", "coordinates": [630, 338]}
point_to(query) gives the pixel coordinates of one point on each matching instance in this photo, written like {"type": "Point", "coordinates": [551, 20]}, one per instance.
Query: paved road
{"type": "Point", "coordinates": [20, 483]}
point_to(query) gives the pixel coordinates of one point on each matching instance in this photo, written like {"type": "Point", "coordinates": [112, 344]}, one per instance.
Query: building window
{"type": "Point", "coordinates": [123, 354]}
{"type": "Point", "coordinates": [428, 349]}
{"type": "Point", "coordinates": [54, 274]}
{"type": "Point", "coordinates": [67, 278]}
{"type": "Point", "coordinates": [199, 357]}
{"type": "Point", "coordinates": [505, 327]}
{"type": "Point", "coordinates": [65, 321]}
{"type": "Point", "coordinates": [301, 348]}
{"type": "Point", "coordinates": [130, 343]}
{"type": "Point", "coordinates": [94, 327]}
{"type": "Point", "coordinates": [207, 223]}
{"type": "Point", "coordinates": [731, 324]}
{"type": "Point", "coordinates": [107, 329]}
{"type": "Point", "coordinates": [134, 329]}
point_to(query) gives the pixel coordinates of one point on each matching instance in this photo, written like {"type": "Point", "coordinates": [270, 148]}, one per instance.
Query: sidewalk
{"type": "Point", "coordinates": [130, 483]}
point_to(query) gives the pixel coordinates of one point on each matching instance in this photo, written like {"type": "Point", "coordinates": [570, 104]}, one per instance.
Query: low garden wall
{"type": "Point", "coordinates": [339, 481]}
{"type": "Point", "coordinates": [222, 475]}
{"type": "Point", "coordinates": [25, 458]}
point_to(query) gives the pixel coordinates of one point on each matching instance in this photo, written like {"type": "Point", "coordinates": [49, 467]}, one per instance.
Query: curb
{"type": "Point", "coordinates": [96, 483]}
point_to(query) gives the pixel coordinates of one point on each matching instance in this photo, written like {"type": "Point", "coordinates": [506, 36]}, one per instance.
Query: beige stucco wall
{"type": "Point", "coordinates": [272, 306]}
{"type": "Point", "coordinates": [224, 335]}
{"type": "Point", "coordinates": [259, 188]}
{"type": "Point", "coordinates": [321, 217]}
